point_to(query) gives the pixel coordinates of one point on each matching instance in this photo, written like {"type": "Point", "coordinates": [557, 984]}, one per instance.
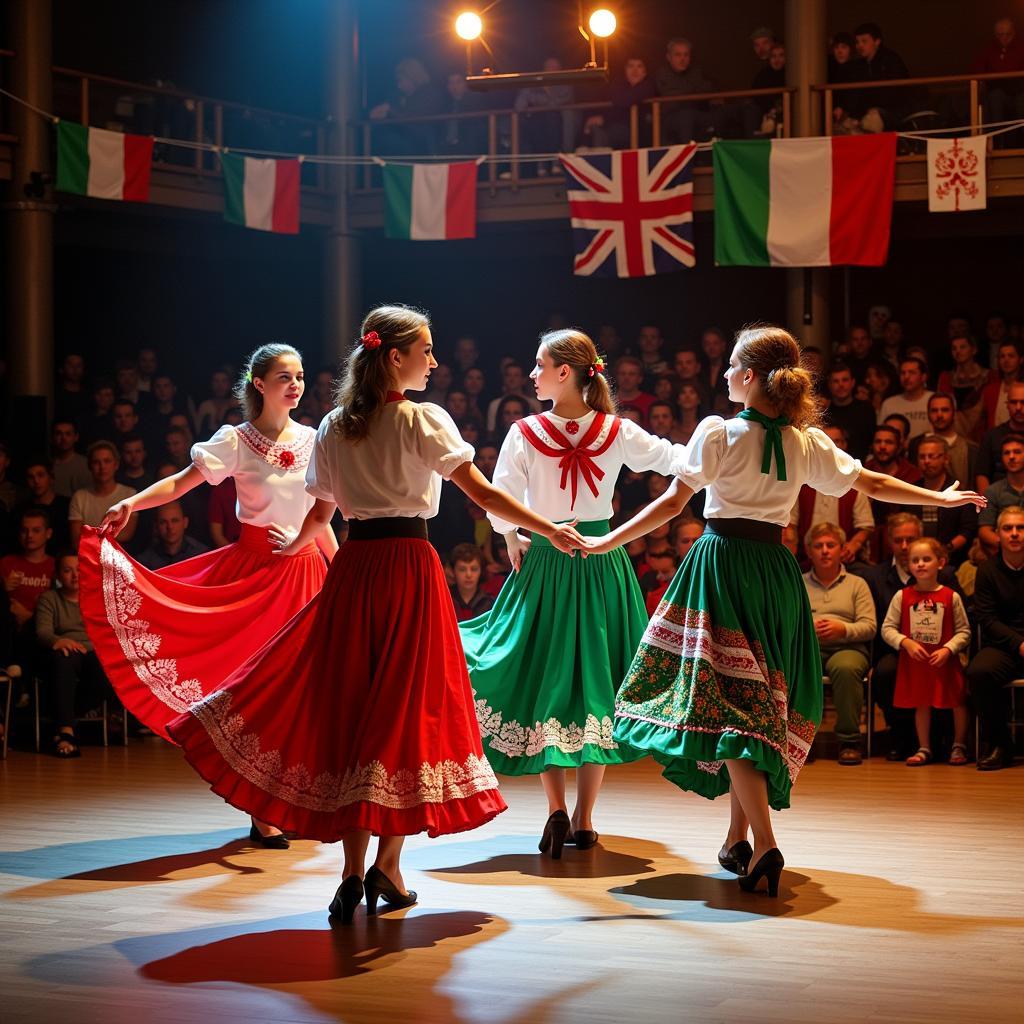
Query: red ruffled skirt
{"type": "Point", "coordinates": [168, 638]}
{"type": "Point", "coordinates": [358, 715]}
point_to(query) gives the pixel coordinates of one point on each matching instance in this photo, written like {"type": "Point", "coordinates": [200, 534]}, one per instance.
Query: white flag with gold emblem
{"type": "Point", "coordinates": [956, 174]}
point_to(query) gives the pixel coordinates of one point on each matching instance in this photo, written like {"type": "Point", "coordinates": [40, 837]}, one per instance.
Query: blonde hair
{"type": "Point", "coordinates": [571, 347]}
{"type": "Point", "coordinates": [938, 549]}
{"type": "Point", "coordinates": [898, 519]}
{"type": "Point", "coordinates": [774, 355]}
{"type": "Point", "coordinates": [1010, 510]}
{"type": "Point", "coordinates": [366, 380]}
{"type": "Point", "coordinates": [824, 530]}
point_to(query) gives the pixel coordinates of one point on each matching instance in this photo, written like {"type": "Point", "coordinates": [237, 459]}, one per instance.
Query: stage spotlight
{"type": "Point", "coordinates": [602, 23]}
{"type": "Point", "coordinates": [468, 25]}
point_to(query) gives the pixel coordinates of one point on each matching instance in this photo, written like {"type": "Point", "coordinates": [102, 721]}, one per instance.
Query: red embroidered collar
{"type": "Point", "coordinates": [292, 456]}
{"type": "Point", "coordinates": [393, 396]}
{"type": "Point", "coordinates": [573, 461]}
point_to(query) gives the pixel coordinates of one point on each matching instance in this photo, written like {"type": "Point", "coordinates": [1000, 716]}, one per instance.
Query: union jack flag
{"type": "Point", "coordinates": [633, 215]}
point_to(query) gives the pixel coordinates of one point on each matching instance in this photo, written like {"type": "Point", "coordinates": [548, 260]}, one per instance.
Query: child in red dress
{"type": "Point", "coordinates": [927, 624]}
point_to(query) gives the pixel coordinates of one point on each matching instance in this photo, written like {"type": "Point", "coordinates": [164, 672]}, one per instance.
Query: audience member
{"type": "Point", "coordinates": [679, 76]}
{"type": "Point", "coordinates": [462, 135]}
{"type": "Point", "coordinates": [990, 462]}
{"type": "Point", "coordinates": [611, 128]}
{"type": "Point", "coordinates": [963, 454]}
{"type": "Point", "coordinates": [1005, 493]}
{"type": "Point", "coordinates": [10, 493]}
{"type": "Point", "coordinates": [513, 382]}
{"type": "Point", "coordinates": [544, 127]}
{"type": "Point", "coordinates": [762, 115]}
{"type": "Point", "coordinates": [713, 344]}
{"type": "Point", "coordinates": [70, 467]}
{"type": "Point", "coordinates": [954, 528]}
{"type": "Point", "coordinates": [43, 495]}
{"type": "Point", "coordinates": [912, 401]}
{"type": "Point", "coordinates": [146, 367]}
{"type": "Point", "coordinates": [27, 575]}
{"type": "Point", "coordinates": [414, 95]}
{"type": "Point", "coordinates": [469, 598]}
{"type": "Point", "coordinates": [629, 375]}
{"type": "Point", "coordinates": [841, 58]}
{"type": "Point", "coordinates": [997, 330]}
{"type": "Point", "coordinates": [873, 109]}
{"type": "Point", "coordinates": [220, 512]}
{"type": "Point", "coordinates": [690, 405]}
{"type": "Point", "coordinates": [100, 424]}
{"type": "Point", "coordinates": [860, 351]}
{"type": "Point", "coordinates": [210, 413]}
{"type": "Point", "coordinates": [89, 505]}
{"type": "Point", "coordinates": [651, 351]}
{"type": "Point", "coordinates": [999, 613]}
{"type": "Point", "coordinates": [1004, 99]}
{"type": "Point", "coordinates": [172, 543]}
{"type": "Point", "coordinates": [996, 390]}
{"type": "Point", "coordinates": [878, 383]}
{"type": "Point", "coordinates": [966, 383]}
{"type": "Point", "coordinates": [844, 619]}
{"type": "Point", "coordinates": [440, 381]}
{"type": "Point", "coordinates": [71, 400]}
{"type": "Point", "coordinates": [856, 416]}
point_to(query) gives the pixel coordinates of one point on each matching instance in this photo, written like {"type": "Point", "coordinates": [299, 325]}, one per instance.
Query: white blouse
{"type": "Point", "coordinates": [725, 457]}
{"type": "Point", "coordinates": [269, 475]}
{"type": "Point", "coordinates": [536, 479]}
{"type": "Point", "coordinates": [396, 470]}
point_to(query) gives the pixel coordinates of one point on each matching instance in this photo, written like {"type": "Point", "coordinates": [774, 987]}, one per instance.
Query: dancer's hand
{"type": "Point", "coordinates": [953, 498]}
{"type": "Point", "coordinates": [517, 546]}
{"type": "Point", "coordinates": [282, 539]}
{"type": "Point", "coordinates": [597, 545]}
{"type": "Point", "coordinates": [566, 539]}
{"type": "Point", "coordinates": [116, 518]}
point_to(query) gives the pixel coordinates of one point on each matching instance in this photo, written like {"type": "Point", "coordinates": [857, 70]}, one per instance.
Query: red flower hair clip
{"type": "Point", "coordinates": [371, 340]}
{"type": "Point", "coordinates": [597, 366]}
{"type": "Point", "coordinates": [286, 459]}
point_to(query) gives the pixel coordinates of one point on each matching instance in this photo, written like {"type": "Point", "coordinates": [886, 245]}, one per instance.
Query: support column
{"type": "Point", "coordinates": [28, 222]}
{"type": "Point", "coordinates": [807, 290]}
{"type": "Point", "coordinates": [342, 249]}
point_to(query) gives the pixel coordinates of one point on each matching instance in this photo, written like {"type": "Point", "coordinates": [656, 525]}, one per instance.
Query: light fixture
{"type": "Point", "coordinates": [468, 26]}
{"type": "Point", "coordinates": [602, 23]}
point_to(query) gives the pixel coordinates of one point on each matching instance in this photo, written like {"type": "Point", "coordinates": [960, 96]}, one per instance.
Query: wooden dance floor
{"type": "Point", "coordinates": [128, 896]}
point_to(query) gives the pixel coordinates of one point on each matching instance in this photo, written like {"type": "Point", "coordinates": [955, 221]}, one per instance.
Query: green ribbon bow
{"type": "Point", "coordinates": [772, 440]}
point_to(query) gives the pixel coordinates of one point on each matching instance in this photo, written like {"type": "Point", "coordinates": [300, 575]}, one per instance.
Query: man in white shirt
{"type": "Point", "coordinates": [513, 382]}
{"type": "Point", "coordinates": [844, 619]}
{"type": "Point", "coordinates": [89, 505]}
{"type": "Point", "coordinates": [912, 401]}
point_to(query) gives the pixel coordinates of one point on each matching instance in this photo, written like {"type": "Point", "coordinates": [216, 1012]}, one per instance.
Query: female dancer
{"type": "Point", "coordinates": [725, 689]}
{"type": "Point", "coordinates": [357, 719]}
{"type": "Point", "coordinates": [546, 660]}
{"type": "Point", "coordinates": [167, 638]}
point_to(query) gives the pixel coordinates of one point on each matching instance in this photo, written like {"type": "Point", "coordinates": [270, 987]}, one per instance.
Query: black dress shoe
{"type": "Point", "coordinates": [556, 831]}
{"type": "Point", "coordinates": [997, 757]}
{"type": "Point", "coordinates": [346, 899]}
{"type": "Point", "coordinates": [737, 858]}
{"type": "Point", "coordinates": [770, 866]}
{"type": "Point", "coordinates": [278, 842]}
{"type": "Point", "coordinates": [379, 886]}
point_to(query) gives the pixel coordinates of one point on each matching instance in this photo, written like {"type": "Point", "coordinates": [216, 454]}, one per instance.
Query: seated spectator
{"type": "Point", "coordinates": [474, 384]}
{"type": "Point", "coordinates": [10, 493]}
{"type": "Point", "coordinates": [968, 570]}
{"type": "Point", "coordinates": [878, 384]}
{"type": "Point", "coordinates": [885, 580]}
{"type": "Point", "coordinates": [126, 421]}
{"type": "Point", "coordinates": [513, 382]}
{"type": "Point", "coordinates": [901, 425]}
{"type": "Point", "coordinates": [511, 409]}
{"type": "Point", "coordinates": [178, 447]}
{"type": "Point", "coordinates": [609, 342]}
{"type": "Point", "coordinates": [89, 505]}
{"type": "Point", "coordinates": [72, 400]}
{"type": "Point", "coordinates": [133, 471]}
{"type": "Point", "coordinates": [852, 512]}
{"type": "Point", "coordinates": [954, 528]}
{"type": "Point", "coordinates": [886, 458]}
{"type": "Point", "coordinates": [27, 575]}
{"type": "Point", "coordinates": [220, 511]}
{"type": "Point", "coordinates": [544, 127]}
{"type": "Point", "coordinates": [1004, 100]}
{"type": "Point", "coordinates": [499, 569]}
{"type": "Point", "coordinates": [126, 377]}
{"type": "Point", "coordinates": [879, 316]}
{"type": "Point", "coordinates": [1005, 493]}
{"type": "Point", "coordinates": [456, 403]}
{"type": "Point", "coordinates": [661, 420]}
{"type": "Point", "coordinates": [210, 413]}
{"type": "Point", "coordinates": [763, 114]}
{"type": "Point", "coordinates": [927, 624]}
{"type": "Point", "coordinates": [990, 461]}
{"type": "Point", "coordinates": [912, 401]}
{"type": "Point", "coordinates": [146, 367]}
{"type": "Point", "coordinates": [996, 391]}
{"type": "Point", "coordinates": [679, 76]}
{"type": "Point", "coordinates": [660, 558]}
{"type": "Point", "coordinates": [633, 414]}
{"type": "Point", "coordinates": [844, 619]}
{"type": "Point", "coordinates": [466, 355]}
{"type": "Point", "coordinates": [468, 596]}
{"type": "Point", "coordinates": [461, 136]}
{"type": "Point", "coordinates": [687, 367]}
{"type": "Point", "coordinates": [172, 543]}
{"type": "Point", "coordinates": [165, 399]}
{"type": "Point", "coordinates": [665, 388]}
{"type": "Point", "coordinates": [966, 383]}
{"type": "Point", "coordinates": [867, 109]}
{"type": "Point", "coordinates": [997, 330]}
{"type": "Point", "coordinates": [855, 416]}
{"type": "Point", "coordinates": [999, 612]}
{"type": "Point", "coordinates": [611, 128]}
{"type": "Point", "coordinates": [440, 382]}
{"type": "Point", "coordinates": [963, 454]}
{"type": "Point", "coordinates": [100, 425]}
{"type": "Point", "coordinates": [629, 375]}
{"type": "Point", "coordinates": [841, 57]}
{"type": "Point", "coordinates": [42, 495]}
{"type": "Point", "coordinates": [414, 95]}
{"type": "Point", "coordinates": [713, 344]}
{"type": "Point", "coordinates": [74, 670]}
{"type": "Point", "coordinates": [860, 351]}
{"type": "Point", "coordinates": [650, 347]}
{"type": "Point", "coordinates": [70, 467]}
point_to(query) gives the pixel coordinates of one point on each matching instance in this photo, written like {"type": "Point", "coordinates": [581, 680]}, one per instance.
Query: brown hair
{"type": "Point", "coordinates": [571, 347]}
{"type": "Point", "coordinates": [259, 364]}
{"type": "Point", "coordinates": [366, 379]}
{"type": "Point", "coordinates": [774, 355]}
{"type": "Point", "coordinates": [467, 553]}
{"type": "Point", "coordinates": [938, 549]}
{"type": "Point", "coordinates": [824, 530]}
{"type": "Point", "coordinates": [898, 519]}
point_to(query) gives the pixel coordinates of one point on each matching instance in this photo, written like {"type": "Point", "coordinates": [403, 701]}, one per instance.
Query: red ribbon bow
{"type": "Point", "coordinates": [573, 462]}
{"type": "Point", "coordinates": [371, 340]}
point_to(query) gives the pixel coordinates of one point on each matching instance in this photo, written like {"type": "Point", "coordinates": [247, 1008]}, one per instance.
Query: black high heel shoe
{"type": "Point", "coordinates": [278, 842]}
{"type": "Point", "coordinates": [583, 838]}
{"type": "Point", "coordinates": [377, 884]}
{"type": "Point", "coordinates": [770, 866]}
{"type": "Point", "coordinates": [347, 898]}
{"type": "Point", "coordinates": [737, 858]}
{"type": "Point", "coordinates": [556, 829]}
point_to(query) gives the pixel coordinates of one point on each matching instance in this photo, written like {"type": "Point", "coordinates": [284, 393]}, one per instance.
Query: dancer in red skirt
{"type": "Point", "coordinates": [168, 638]}
{"type": "Point", "coordinates": [358, 718]}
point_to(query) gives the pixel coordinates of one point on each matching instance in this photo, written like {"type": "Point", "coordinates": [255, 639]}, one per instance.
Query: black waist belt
{"type": "Point", "coordinates": [393, 526]}
{"type": "Point", "coordinates": [745, 529]}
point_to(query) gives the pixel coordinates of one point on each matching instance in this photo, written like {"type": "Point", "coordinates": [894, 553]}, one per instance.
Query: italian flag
{"type": "Point", "coordinates": [261, 194]}
{"type": "Point", "coordinates": [804, 202]}
{"type": "Point", "coordinates": [430, 201]}
{"type": "Point", "coordinates": [107, 165]}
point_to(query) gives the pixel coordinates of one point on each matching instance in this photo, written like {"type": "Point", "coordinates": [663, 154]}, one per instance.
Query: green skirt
{"type": "Point", "coordinates": [546, 660]}
{"type": "Point", "coordinates": [729, 667]}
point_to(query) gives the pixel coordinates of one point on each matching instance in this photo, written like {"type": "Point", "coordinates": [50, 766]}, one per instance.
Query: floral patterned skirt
{"type": "Point", "coordinates": [546, 660]}
{"type": "Point", "coordinates": [358, 714]}
{"type": "Point", "coordinates": [728, 668]}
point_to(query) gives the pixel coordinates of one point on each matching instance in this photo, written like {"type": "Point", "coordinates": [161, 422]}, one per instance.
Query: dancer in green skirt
{"type": "Point", "coordinates": [546, 660]}
{"type": "Point", "coordinates": [725, 688]}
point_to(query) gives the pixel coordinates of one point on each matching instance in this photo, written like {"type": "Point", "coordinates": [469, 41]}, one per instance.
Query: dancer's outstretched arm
{"type": "Point", "coordinates": [169, 489]}
{"type": "Point", "coordinates": [661, 510]}
{"type": "Point", "coordinates": [883, 487]}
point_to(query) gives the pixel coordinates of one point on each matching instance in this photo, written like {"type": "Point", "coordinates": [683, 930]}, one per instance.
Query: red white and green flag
{"type": "Point", "coordinates": [261, 194]}
{"type": "Point", "coordinates": [104, 164]}
{"type": "Point", "coordinates": [804, 202]}
{"type": "Point", "coordinates": [430, 201]}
